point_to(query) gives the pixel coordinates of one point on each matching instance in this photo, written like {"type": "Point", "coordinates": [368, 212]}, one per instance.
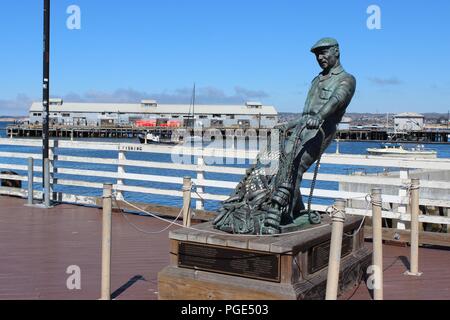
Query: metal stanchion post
{"type": "Point", "coordinates": [30, 180]}
{"type": "Point", "coordinates": [106, 242]}
{"type": "Point", "coordinates": [200, 205]}
{"type": "Point", "coordinates": [414, 259]}
{"type": "Point", "coordinates": [338, 219]}
{"type": "Point", "coordinates": [187, 187]}
{"type": "Point", "coordinates": [377, 244]}
{"type": "Point", "coordinates": [47, 183]}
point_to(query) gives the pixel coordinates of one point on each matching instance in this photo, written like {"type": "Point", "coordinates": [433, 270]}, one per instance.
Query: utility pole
{"type": "Point", "coordinates": [46, 89]}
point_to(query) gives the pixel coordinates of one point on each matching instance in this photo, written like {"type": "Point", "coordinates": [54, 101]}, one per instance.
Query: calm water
{"type": "Point", "coordinates": [345, 148]}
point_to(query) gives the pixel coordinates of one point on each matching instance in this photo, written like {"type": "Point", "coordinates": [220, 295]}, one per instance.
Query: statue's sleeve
{"type": "Point", "coordinates": [340, 98]}
{"type": "Point", "coordinates": [345, 90]}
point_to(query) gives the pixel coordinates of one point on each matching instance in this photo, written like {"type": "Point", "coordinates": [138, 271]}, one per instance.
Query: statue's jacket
{"type": "Point", "coordinates": [338, 84]}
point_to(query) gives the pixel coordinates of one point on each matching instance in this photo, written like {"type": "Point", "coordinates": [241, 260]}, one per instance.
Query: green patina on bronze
{"type": "Point", "coordinates": [265, 201]}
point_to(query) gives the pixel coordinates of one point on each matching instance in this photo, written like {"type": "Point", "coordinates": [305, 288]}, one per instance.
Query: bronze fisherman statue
{"type": "Point", "coordinates": [262, 203]}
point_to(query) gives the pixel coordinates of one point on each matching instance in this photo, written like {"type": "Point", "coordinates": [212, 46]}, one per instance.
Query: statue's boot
{"type": "Point", "coordinates": [280, 200]}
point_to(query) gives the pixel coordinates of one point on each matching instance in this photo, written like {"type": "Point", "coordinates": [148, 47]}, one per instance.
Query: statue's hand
{"type": "Point", "coordinates": [283, 127]}
{"type": "Point", "coordinates": [314, 122]}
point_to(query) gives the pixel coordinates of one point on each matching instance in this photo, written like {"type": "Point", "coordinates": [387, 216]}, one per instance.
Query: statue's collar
{"type": "Point", "coordinates": [336, 70]}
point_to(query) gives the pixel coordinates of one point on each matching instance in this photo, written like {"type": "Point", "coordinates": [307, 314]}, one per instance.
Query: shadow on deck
{"type": "Point", "coordinates": [37, 246]}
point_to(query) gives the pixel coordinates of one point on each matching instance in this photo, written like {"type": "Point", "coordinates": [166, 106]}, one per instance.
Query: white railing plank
{"type": "Point", "coordinates": [215, 183]}
{"type": "Point", "coordinates": [200, 152]}
{"type": "Point", "coordinates": [177, 180]}
{"type": "Point", "coordinates": [337, 194]}
{"type": "Point", "coordinates": [388, 215]}
{"type": "Point", "coordinates": [434, 184]}
{"type": "Point", "coordinates": [79, 183]}
{"type": "Point", "coordinates": [151, 178]}
{"type": "Point", "coordinates": [89, 173]}
{"type": "Point", "coordinates": [373, 161]}
{"type": "Point", "coordinates": [20, 155]}
{"type": "Point", "coordinates": [172, 193]}
{"type": "Point", "coordinates": [88, 160]}
{"type": "Point", "coordinates": [19, 167]}
{"type": "Point", "coordinates": [19, 178]}
{"type": "Point", "coordinates": [20, 142]}
{"type": "Point", "coordinates": [162, 192]}
{"type": "Point", "coordinates": [104, 146]}
{"type": "Point", "coordinates": [183, 167]}
{"type": "Point", "coordinates": [158, 165]}
{"type": "Point", "coordinates": [13, 177]}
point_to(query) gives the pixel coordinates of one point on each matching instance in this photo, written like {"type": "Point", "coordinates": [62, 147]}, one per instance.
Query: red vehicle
{"type": "Point", "coordinates": [146, 123]}
{"type": "Point", "coordinates": [161, 123]}
{"type": "Point", "coordinates": [174, 124]}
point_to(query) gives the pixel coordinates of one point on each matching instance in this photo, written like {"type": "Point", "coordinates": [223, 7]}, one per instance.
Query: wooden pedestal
{"type": "Point", "coordinates": [220, 266]}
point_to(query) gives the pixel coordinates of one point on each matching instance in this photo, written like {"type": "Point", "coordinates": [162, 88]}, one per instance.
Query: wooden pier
{"type": "Point", "coordinates": [37, 246]}
{"type": "Point", "coordinates": [377, 134]}
{"type": "Point", "coordinates": [121, 132]}
{"type": "Point", "coordinates": [124, 132]}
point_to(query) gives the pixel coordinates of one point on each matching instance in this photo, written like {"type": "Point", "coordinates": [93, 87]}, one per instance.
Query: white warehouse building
{"type": "Point", "coordinates": [249, 115]}
{"type": "Point", "coordinates": [409, 121]}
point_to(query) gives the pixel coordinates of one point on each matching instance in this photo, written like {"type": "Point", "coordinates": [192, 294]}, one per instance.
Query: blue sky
{"type": "Point", "coordinates": [234, 51]}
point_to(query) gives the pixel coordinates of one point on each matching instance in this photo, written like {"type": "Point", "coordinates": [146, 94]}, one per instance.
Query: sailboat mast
{"type": "Point", "coordinates": [193, 108]}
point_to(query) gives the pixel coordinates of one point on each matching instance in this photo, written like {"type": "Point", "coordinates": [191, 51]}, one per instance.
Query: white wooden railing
{"type": "Point", "coordinates": [401, 200]}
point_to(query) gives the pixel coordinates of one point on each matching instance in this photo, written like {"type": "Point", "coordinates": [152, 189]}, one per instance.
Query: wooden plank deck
{"type": "Point", "coordinates": [37, 246]}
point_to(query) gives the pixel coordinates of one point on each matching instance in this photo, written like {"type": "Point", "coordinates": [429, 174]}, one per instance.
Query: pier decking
{"type": "Point", "coordinates": [37, 246]}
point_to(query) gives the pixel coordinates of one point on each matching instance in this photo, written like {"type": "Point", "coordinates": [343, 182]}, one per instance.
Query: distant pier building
{"type": "Point", "coordinates": [249, 115]}
{"type": "Point", "coordinates": [409, 121]}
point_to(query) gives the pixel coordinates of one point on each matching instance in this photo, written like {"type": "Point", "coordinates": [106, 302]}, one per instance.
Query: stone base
{"type": "Point", "coordinates": [211, 265]}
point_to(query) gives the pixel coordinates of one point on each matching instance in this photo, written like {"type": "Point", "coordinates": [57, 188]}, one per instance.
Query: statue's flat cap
{"type": "Point", "coordinates": [324, 43]}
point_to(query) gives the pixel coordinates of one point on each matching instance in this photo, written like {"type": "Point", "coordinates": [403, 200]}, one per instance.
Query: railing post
{"type": "Point", "coordinates": [199, 204]}
{"type": "Point", "coordinates": [53, 158]}
{"type": "Point", "coordinates": [338, 218]}
{"type": "Point", "coordinates": [106, 242]}
{"type": "Point", "coordinates": [377, 243]}
{"type": "Point", "coordinates": [187, 187]}
{"type": "Point", "coordinates": [414, 260]}
{"type": "Point", "coordinates": [47, 183]}
{"type": "Point", "coordinates": [403, 194]}
{"type": "Point", "coordinates": [120, 172]}
{"type": "Point", "coordinates": [30, 180]}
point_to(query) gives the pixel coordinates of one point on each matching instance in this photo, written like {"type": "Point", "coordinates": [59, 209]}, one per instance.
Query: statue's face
{"type": "Point", "coordinates": [327, 57]}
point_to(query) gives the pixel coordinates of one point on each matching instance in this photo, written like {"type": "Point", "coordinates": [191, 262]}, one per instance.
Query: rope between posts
{"type": "Point", "coordinates": [365, 216]}
{"type": "Point", "coordinates": [195, 191]}
{"type": "Point", "coordinates": [172, 223]}
{"type": "Point", "coordinates": [332, 211]}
